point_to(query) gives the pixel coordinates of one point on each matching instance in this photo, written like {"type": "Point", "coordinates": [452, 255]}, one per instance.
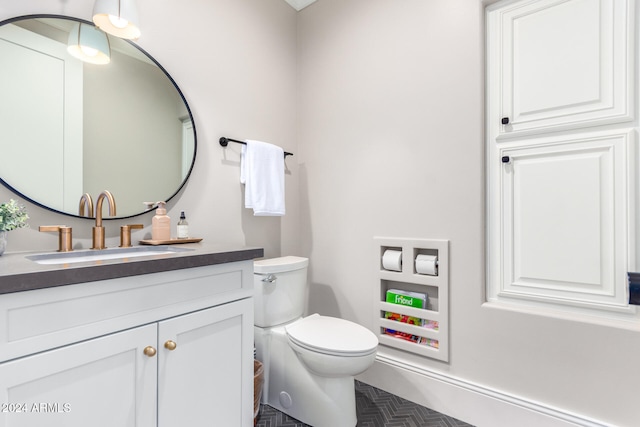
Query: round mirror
{"type": "Point", "coordinates": [70, 127]}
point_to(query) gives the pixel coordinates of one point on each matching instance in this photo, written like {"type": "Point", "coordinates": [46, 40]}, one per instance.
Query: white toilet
{"type": "Point", "coordinates": [309, 363]}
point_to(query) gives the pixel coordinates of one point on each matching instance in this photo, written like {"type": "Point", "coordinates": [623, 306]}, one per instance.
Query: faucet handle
{"type": "Point", "coordinates": [125, 234]}
{"type": "Point", "coordinates": [65, 241]}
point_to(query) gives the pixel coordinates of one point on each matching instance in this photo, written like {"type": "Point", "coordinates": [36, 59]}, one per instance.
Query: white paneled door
{"type": "Point", "coordinates": [564, 219]}
{"type": "Point", "coordinates": [562, 64]}
{"type": "Point", "coordinates": [41, 118]}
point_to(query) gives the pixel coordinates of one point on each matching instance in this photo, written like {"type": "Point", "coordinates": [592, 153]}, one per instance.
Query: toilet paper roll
{"type": "Point", "coordinates": [392, 260]}
{"type": "Point", "coordinates": [427, 264]}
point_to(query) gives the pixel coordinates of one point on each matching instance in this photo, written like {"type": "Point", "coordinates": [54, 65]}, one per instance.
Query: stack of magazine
{"type": "Point", "coordinates": [415, 300]}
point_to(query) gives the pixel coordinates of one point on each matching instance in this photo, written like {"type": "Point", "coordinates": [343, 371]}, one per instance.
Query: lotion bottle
{"type": "Point", "coordinates": [161, 223]}
{"type": "Point", "coordinates": [183, 227]}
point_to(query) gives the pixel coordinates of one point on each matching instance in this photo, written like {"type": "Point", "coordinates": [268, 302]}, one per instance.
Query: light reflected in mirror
{"type": "Point", "coordinates": [68, 127]}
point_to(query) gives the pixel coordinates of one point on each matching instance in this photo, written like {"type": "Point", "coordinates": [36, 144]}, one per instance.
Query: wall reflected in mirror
{"type": "Point", "coordinates": [68, 127]}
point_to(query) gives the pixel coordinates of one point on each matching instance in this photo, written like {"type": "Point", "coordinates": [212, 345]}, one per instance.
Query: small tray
{"type": "Point", "coordinates": [170, 241]}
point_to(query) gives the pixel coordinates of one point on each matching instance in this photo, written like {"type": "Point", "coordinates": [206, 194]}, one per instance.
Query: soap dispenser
{"type": "Point", "coordinates": [161, 223]}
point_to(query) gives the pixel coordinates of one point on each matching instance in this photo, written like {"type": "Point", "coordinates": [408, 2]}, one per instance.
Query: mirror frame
{"type": "Point", "coordinates": [173, 82]}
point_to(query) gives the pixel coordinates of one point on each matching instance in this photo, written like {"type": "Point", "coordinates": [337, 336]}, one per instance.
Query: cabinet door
{"type": "Point", "coordinates": [564, 211]}
{"type": "Point", "coordinates": [207, 379]}
{"type": "Point", "coordinates": [106, 382]}
{"type": "Point", "coordinates": [558, 64]}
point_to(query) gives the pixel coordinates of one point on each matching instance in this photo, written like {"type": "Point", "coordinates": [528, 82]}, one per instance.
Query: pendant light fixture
{"type": "Point", "coordinates": [117, 17]}
{"type": "Point", "coordinates": [89, 44]}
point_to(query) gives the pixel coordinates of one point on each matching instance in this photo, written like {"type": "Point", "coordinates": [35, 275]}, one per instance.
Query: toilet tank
{"type": "Point", "coordinates": [280, 286]}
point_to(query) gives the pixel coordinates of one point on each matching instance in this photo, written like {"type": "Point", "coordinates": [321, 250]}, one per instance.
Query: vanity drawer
{"type": "Point", "coordinates": [43, 319]}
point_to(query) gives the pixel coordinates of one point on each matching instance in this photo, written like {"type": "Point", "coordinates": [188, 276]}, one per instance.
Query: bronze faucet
{"type": "Point", "coordinates": [98, 230]}
{"type": "Point", "coordinates": [65, 243]}
{"type": "Point", "coordinates": [125, 234]}
{"type": "Point", "coordinates": [86, 200]}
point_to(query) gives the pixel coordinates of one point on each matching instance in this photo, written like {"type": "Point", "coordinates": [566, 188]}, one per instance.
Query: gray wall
{"type": "Point", "coordinates": [382, 103]}
{"type": "Point", "coordinates": [235, 62]}
{"type": "Point", "coordinates": [391, 144]}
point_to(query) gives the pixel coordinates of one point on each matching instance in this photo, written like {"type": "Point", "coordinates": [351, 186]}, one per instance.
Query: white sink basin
{"type": "Point", "coordinates": [104, 254]}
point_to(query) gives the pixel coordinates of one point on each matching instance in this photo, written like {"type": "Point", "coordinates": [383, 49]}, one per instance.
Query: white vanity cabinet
{"type": "Point", "coordinates": [162, 349]}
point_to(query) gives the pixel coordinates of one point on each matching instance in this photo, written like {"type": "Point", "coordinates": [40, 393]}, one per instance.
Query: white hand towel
{"type": "Point", "coordinates": [262, 173]}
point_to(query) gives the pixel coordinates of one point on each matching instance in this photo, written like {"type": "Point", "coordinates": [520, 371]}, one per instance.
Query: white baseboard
{"type": "Point", "coordinates": [464, 400]}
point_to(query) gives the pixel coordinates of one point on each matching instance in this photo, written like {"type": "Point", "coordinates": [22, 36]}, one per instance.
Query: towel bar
{"type": "Point", "coordinates": [225, 141]}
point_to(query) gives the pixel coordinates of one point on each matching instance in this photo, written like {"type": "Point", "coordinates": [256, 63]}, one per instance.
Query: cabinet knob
{"type": "Point", "coordinates": [505, 120]}
{"type": "Point", "coordinates": [170, 345]}
{"type": "Point", "coordinates": [149, 351]}
{"type": "Point", "coordinates": [506, 159]}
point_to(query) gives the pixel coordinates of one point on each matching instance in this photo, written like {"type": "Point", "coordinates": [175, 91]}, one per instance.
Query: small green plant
{"type": "Point", "coordinates": [12, 216]}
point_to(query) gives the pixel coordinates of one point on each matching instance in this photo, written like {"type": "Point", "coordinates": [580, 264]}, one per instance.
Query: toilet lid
{"type": "Point", "coordinates": [279, 265]}
{"type": "Point", "coordinates": [332, 335]}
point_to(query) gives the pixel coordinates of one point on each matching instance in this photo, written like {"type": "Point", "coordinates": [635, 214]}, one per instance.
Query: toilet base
{"type": "Point", "coordinates": [290, 388]}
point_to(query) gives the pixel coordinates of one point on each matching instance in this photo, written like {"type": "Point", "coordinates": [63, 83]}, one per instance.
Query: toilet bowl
{"type": "Point", "coordinates": [332, 347]}
{"type": "Point", "coordinates": [309, 362]}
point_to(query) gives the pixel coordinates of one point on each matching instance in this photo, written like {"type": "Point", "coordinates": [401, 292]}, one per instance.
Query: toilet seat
{"type": "Point", "coordinates": [332, 336]}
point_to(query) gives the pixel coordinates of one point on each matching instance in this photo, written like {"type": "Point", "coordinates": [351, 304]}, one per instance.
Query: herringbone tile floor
{"type": "Point", "coordinates": [375, 408]}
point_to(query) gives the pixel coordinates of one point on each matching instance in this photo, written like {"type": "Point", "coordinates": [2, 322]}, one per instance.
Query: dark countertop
{"type": "Point", "coordinates": [17, 273]}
